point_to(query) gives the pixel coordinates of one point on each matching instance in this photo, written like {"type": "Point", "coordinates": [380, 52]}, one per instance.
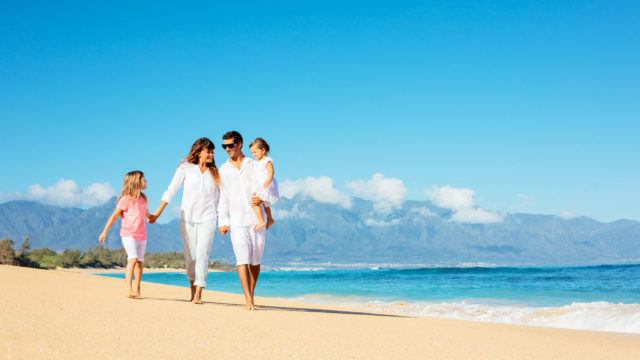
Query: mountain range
{"type": "Point", "coordinates": [311, 232]}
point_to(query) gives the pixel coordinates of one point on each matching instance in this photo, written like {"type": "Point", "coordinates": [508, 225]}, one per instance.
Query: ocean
{"type": "Point", "coordinates": [603, 298]}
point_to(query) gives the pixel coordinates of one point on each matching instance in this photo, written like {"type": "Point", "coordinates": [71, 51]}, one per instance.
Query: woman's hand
{"type": "Point", "coordinates": [154, 217]}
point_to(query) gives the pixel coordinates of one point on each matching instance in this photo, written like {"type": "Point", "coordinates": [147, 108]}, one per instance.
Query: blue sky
{"type": "Point", "coordinates": [535, 106]}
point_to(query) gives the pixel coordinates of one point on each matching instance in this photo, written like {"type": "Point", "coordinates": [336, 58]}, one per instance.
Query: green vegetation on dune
{"type": "Point", "coordinates": [98, 257]}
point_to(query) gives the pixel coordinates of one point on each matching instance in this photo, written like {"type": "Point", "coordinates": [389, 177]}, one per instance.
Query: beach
{"type": "Point", "coordinates": [72, 314]}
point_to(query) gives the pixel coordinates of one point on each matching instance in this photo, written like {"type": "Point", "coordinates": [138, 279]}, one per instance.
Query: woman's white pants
{"type": "Point", "coordinates": [198, 238]}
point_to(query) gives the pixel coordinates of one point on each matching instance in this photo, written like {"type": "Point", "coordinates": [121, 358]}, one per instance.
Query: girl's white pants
{"type": "Point", "coordinates": [198, 238]}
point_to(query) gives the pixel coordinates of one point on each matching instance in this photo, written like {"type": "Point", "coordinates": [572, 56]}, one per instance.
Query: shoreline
{"type": "Point", "coordinates": [82, 315]}
{"type": "Point", "coordinates": [609, 317]}
{"type": "Point", "coordinates": [121, 269]}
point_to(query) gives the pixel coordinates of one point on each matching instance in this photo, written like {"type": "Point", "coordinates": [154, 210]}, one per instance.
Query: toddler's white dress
{"type": "Point", "coordinates": [260, 176]}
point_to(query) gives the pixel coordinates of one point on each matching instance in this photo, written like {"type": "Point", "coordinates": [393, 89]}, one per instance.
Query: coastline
{"type": "Point", "coordinates": [84, 316]}
{"type": "Point", "coordinates": [121, 270]}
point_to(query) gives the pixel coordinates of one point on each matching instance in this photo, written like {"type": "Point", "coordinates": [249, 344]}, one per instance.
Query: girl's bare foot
{"type": "Point", "coordinates": [270, 222]}
{"type": "Point", "coordinates": [260, 225]}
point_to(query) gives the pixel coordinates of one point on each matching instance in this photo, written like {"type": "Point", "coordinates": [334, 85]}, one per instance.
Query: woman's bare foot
{"type": "Point", "coordinates": [270, 222]}
{"type": "Point", "coordinates": [248, 307]}
{"type": "Point", "coordinates": [260, 225]}
{"type": "Point", "coordinates": [197, 301]}
{"type": "Point", "coordinates": [132, 295]}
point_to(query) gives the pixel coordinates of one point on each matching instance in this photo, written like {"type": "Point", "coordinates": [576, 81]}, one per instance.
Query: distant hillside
{"type": "Point", "coordinates": [308, 231]}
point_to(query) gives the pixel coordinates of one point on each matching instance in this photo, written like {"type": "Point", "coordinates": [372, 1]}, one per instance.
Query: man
{"type": "Point", "coordinates": [236, 215]}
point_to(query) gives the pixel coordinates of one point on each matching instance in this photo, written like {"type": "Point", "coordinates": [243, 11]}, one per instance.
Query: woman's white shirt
{"type": "Point", "coordinates": [200, 194]}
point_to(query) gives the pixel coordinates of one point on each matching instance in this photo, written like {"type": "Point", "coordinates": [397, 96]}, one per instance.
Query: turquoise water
{"type": "Point", "coordinates": [595, 297]}
{"type": "Point", "coordinates": [541, 286]}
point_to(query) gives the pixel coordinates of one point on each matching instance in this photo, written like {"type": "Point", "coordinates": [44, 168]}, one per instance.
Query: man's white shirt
{"type": "Point", "coordinates": [234, 207]}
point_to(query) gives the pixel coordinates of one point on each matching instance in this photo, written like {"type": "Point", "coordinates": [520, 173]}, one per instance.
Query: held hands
{"type": "Point", "coordinates": [223, 230]}
{"type": "Point", "coordinates": [255, 200]}
{"type": "Point", "coordinates": [153, 218]}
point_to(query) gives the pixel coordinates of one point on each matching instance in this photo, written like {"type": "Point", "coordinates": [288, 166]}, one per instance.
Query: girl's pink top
{"type": "Point", "coordinates": [134, 215]}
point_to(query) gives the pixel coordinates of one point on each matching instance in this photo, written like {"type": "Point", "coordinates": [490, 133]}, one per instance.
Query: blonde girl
{"type": "Point", "coordinates": [132, 208]}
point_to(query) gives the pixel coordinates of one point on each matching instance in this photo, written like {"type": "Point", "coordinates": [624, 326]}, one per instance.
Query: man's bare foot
{"type": "Point", "coordinates": [260, 225]}
{"type": "Point", "coordinates": [197, 295]}
{"type": "Point", "coordinates": [193, 292]}
{"type": "Point", "coordinates": [270, 222]}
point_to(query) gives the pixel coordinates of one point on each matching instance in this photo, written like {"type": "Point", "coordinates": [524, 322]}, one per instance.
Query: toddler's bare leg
{"type": "Point", "coordinates": [270, 220]}
{"type": "Point", "coordinates": [261, 223]}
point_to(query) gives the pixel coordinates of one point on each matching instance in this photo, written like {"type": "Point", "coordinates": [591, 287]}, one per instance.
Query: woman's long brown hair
{"type": "Point", "coordinates": [194, 156]}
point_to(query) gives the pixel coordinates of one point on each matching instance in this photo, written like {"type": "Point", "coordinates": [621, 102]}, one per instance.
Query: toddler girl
{"type": "Point", "coordinates": [264, 182]}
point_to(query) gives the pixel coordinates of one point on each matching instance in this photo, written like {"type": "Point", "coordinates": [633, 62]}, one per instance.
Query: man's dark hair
{"type": "Point", "coordinates": [237, 138]}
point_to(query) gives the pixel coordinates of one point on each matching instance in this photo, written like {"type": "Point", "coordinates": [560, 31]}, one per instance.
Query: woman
{"type": "Point", "coordinates": [198, 175]}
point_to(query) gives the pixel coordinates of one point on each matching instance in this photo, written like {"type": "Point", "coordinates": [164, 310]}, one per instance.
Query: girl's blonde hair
{"type": "Point", "coordinates": [132, 185]}
{"type": "Point", "coordinates": [194, 156]}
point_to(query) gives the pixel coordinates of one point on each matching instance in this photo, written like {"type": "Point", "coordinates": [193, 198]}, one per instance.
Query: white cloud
{"type": "Point", "coordinates": [65, 193]}
{"type": "Point", "coordinates": [462, 202]}
{"type": "Point", "coordinates": [295, 212]}
{"type": "Point", "coordinates": [476, 215]}
{"type": "Point", "coordinates": [423, 211]}
{"type": "Point", "coordinates": [381, 223]}
{"type": "Point", "coordinates": [320, 189]}
{"type": "Point", "coordinates": [451, 198]}
{"type": "Point", "coordinates": [386, 193]}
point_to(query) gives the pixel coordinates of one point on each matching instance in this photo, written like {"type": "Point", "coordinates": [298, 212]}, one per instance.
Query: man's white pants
{"type": "Point", "coordinates": [198, 238]}
{"type": "Point", "coordinates": [248, 245]}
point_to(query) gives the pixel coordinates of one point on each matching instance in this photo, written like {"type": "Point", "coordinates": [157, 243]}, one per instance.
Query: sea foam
{"type": "Point", "coordinates": [596, 316]}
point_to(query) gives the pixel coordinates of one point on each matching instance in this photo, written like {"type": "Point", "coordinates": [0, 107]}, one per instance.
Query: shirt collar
{"type": "Point", "coordinates": [245, 161]}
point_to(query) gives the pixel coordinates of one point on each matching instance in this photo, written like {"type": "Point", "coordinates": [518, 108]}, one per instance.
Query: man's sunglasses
{"type": "Point", "coordinates": [228, 146]}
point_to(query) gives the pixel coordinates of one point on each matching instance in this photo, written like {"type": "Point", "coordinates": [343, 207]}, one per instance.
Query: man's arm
{"type": "Point", "coordinates": [223, 211]}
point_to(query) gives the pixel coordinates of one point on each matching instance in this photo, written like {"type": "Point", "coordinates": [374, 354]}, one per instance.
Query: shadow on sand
{"type": "Point", "coordinates": [282, 308]}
